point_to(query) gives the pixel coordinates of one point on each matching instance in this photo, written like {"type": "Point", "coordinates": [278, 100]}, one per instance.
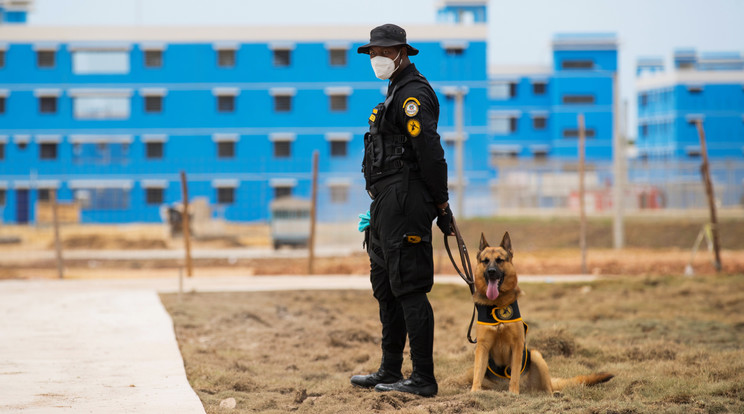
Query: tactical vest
{"type": "Point", "coordinates": [387, 157]}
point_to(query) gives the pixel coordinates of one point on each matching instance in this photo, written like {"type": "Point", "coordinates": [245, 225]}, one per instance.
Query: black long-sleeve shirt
{"type": "Point", "coordinates": [414, 111]}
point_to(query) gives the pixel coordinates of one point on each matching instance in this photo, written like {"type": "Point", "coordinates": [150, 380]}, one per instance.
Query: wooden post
{"type": "Point", "coordinates": [57, 241]}
{"type": "Point", "coordinates": [705, 171]}
{"type": "Point", "coordinates": [582, 206]}
{"type": "Point", "coordinates": [313, 206]}
{"type": "Point", "coordinates": [186, 224]}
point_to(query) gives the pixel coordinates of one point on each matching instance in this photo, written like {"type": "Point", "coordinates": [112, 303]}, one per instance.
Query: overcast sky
{"type": "Point", "coordinates": [519, 30]}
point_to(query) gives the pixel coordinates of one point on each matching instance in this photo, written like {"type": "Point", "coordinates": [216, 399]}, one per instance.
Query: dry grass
{"type": "Point", "coordinates": [674, 344]}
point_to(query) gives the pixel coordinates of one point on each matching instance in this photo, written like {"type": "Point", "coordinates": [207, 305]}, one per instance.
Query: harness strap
{"type": "Point", "coordinates": [505, 371]}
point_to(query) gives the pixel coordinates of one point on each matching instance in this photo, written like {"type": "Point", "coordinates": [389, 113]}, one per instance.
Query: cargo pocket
{"type": "Point", "coordinates": [410, 267]}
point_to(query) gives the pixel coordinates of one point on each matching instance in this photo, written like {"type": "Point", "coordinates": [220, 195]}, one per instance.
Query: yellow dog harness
{"type": "Point", "coordinates": [493, 316]}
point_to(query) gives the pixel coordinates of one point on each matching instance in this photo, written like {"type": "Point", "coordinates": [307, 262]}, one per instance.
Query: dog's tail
{"type": "Point", "coordinates": [591, 379]}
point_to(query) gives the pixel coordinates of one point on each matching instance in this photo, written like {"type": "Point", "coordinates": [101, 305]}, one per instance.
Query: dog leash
{"type": "Point", "coordinates": [467, 270]}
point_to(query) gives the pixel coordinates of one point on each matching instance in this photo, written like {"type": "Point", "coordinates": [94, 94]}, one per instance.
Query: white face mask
{"type": "Point", "coordinates": [383, 66]}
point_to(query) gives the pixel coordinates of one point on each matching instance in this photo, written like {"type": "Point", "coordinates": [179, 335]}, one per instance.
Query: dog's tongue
{"type": "Point", "coordinates": [493, 290]}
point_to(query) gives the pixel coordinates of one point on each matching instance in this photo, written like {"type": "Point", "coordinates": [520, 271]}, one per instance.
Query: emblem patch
{"type": "Point", "coordinates": [411, 106]}
{"type": "Point", "coordinates": [414, 127]}
{"type": "Point", "coordinates": [505, 313]}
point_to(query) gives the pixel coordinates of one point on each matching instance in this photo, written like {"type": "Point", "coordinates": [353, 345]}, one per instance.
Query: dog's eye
{"type": "Point", "coordinates": [499, 260]}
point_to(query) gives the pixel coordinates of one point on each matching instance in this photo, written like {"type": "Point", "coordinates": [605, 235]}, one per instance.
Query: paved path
{"type": "Point", "coordinates": [108, 346]}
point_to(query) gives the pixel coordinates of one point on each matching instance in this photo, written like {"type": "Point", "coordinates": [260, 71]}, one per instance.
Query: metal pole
{"type": "Point", "coordinates": [57, 241]}
{"type": "Point", "coordinates": [313, 209]}
{"type": "Point", "coordinates": [705, 170]}
{"type": "Point", "coordinates": [186, 224]}
{"type": "Point", "coordinates": [619, 171]}
{"type": "Point", "coordinates": [459, 151]}
{"type": "Point", "coordinates": [582, 207]}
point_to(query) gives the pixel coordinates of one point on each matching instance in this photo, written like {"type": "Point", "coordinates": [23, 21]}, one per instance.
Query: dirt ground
{"type": "Point", "coordinates": [654, 246]}
{"type": "Point", "coordinates": [674, 344]}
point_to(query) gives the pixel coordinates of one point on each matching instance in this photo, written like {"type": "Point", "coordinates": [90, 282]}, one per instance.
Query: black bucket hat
{"type": "Point", "coordinates": [387, 35]}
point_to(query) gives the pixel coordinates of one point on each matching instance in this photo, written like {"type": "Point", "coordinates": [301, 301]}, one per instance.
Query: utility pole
{"type": "Point", "coordinates": [57, 240]}
{"type": "Point", "coordinates": [619, 171]}
{"type": "Point", "coordinates": [313, 209]}
{"type": "Point", "coordinates": [705, 171]}
{"type": "Point", "coordinates": [460, 150]}
{"type": "Point", "coordinates": [582, 205]}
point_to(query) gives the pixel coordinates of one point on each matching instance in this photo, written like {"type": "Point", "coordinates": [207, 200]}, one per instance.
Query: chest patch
{"type": "Point", "coordinates": [414, 127]}
{"type": "Point", "coordinates": [411, 106]}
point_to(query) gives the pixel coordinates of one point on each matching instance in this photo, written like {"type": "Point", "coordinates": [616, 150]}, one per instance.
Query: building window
{"type": "Point", "coordinates": [502, 90]}
{"type": "Point", "coordinates": [153, 104]}
{"type": "Point", "coordinates": [339, 148]}
{"type": "Point", "coordinates": [225, 149]}
{"type": "Point", "coordinates": [643, 99]}
{"type": "Point", "coordinates": [338, 57]}
{"type": "Point", "coordinates": [103, 198]}
{"type": "Point", "coordinates": [44, 194]}
{"type": "Point", "coordinates": [100, 62]}
{"type": "Point", "coordinates": [2, 150]}
{"type": "Point", "coordinates": [339, 103]}
{"type": "Point", "coordinates": [48, 151]}
{"type": "Point", "coordinates": [2, 104]}
{"type": "Point", "coordinates": [577, 64]}
{"type": "Point", "coordinates": [48, 104]}
{"type": "Point", "coordinates": [695, 89]}
{"type": "Point", "coordinates": [574, 133]}
{"type": "Point", "coordinates": [226, 58]}
{"type": "Point", "coordinates": [282, 103]}
{"type": "Point", "coordinates": [454, 51]}
{"type": "Point", "coordinates": [281, 191]}
{"type": "Point", "coordinates": [644, 130]}
{"type": "Point", "coordinates": [282, 149]}
{"type": "Point", "coordinates": [225, 195]}
{"type": "Point", "coordinates": [226, 103]}
{"type": "Point", "coordinates": [539, 88]}
{"type": "Point", "coordinates": [2, 58]}
{"type": "Point", "coordinates": [2, 197]}
{"type": "Point", "coordinates": [578, 99]}
{"type": "Point", "coordinates": [154, 150]}
{"type": "Point", "coordinates": [503, 124]}
{"type": "Point", "coordinates": [282, 57]}
{"type": "Point", "coordinates": [154, 195]}
{"type": "Point", "coordinates": [339, 194]}
{"type": "Point", "coordinates": [539, 122]}
{"type": "Point", "coordinates": [153, 58]}
{"type": "Point", "coordinates": [45, 58]}
{"type": "Point", "coordinates": [101, 107]}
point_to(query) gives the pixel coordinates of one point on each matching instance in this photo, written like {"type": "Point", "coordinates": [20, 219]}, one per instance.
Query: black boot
{"type": "Point", "coordinates": [389, 372]}
{"type": "Point", "coordinates": [417, 385]}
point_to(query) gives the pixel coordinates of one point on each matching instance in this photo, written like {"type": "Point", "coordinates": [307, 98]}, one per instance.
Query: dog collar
{"type": "Point", "coordinates": [493, 315]}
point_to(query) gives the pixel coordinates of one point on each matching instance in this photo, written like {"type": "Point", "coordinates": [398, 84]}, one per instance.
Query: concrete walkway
{"type": "Point", "coordinates": [105, 346]}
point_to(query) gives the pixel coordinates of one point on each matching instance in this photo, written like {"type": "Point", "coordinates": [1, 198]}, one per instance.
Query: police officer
{"type": "Point", "coordinates": [406, 176]}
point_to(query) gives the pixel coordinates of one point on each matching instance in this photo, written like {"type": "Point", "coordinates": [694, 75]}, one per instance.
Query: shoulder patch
{"type": "Point", "coordinates": [411, 106]}
{"type": "Point", "coordinates": [414, 127]}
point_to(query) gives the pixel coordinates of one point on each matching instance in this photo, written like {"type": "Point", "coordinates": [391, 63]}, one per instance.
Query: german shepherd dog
{"type": "Point", "coordinates": [501, 332]}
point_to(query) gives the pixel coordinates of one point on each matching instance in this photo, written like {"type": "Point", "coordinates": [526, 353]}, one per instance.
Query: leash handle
{"type": "Point", "coordinates": [467, 269]}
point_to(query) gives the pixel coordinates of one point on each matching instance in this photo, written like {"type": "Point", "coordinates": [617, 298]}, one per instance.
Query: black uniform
{"type": "Point", "coordinates": [406, 175]}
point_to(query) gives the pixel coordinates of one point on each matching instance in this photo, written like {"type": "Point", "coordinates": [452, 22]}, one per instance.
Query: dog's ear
{"type": "Point", "coordinates": [483, 243]}
{"type": "Point", "coordinates": [506, 244]}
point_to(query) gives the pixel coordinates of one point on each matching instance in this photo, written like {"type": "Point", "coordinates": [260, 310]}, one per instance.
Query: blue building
{"type": "Point", "coordinates": [708, 87]}
{"type": "Point", "coordinates": [108, 118]}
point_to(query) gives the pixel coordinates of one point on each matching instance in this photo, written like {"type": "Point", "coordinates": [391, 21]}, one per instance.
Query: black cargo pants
{"type": "Point", "coordinates": [400, 233]}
